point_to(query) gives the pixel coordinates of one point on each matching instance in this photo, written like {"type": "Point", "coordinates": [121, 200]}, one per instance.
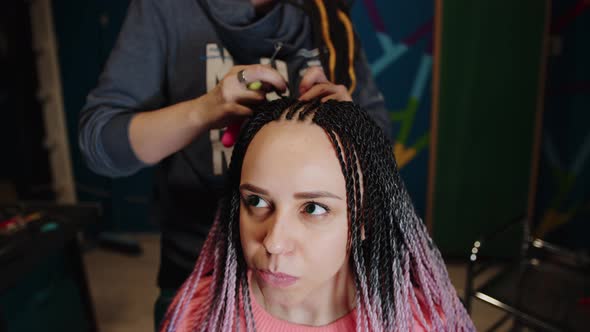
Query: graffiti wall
{"type": "Point", "coordinates": [562, 213]}
{"type": "Point", "coordinates": [398, 39]}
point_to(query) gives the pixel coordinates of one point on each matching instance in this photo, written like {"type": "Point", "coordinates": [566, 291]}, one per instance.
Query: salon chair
{"type": "Point", "coordinates": [544, 288]}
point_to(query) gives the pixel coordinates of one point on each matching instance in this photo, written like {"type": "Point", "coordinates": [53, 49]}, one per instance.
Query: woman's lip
{"type": "Point", "coordinates": [277, 279]}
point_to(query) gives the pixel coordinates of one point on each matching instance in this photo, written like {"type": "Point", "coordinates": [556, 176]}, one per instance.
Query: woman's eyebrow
{"type": "Point", "coordinates": [315, 194]}
{"type": "Point", "coordinates": [253, 188]}
{"type": "Point", "coordinates": [302, 195]}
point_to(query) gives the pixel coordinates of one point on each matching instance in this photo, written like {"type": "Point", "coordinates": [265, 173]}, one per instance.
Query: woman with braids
{"type": "Point", "coordinates": [316, 232]}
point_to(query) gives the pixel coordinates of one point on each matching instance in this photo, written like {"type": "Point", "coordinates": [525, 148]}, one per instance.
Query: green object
{"type": "Point", "coordinates": [489, 84]}
{"type": "Point", "coordinates": [49, 227]}
{"type": "Point", "coordinates": [255, 85]}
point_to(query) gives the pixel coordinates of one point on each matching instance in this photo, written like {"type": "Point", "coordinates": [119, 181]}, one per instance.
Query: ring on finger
{"type": "Point", "coordinates": [242, 78]}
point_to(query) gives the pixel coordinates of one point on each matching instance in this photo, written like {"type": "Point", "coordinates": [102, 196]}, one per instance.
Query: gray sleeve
{"type": "Point", "coordinates": [132, 81]}
{"type": "Point", "coordinates": [368, 96]}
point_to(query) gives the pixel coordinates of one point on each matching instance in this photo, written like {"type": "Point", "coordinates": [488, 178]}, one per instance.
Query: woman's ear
{"type": "Point", "coordinates": [363, 237]}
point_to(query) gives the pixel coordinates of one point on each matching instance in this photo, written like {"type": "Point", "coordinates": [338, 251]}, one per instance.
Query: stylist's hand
{"type": "Point", "coordinates": [231, 99]}
{"type": "Point", "coordinates": [315, 84]}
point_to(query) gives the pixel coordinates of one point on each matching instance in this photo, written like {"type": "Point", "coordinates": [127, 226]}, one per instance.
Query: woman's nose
{"type": "Point", "coordinates": [278, 240]}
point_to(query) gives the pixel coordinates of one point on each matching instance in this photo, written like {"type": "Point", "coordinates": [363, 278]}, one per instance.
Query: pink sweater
{"type": "Point", "coordinates": [266, 322]}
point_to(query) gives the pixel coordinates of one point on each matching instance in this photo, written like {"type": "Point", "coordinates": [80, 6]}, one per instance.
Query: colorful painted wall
{"type": "Point", "coordinates": [398, 39]}
{"type": "Point", "coordinates": [562, 213]}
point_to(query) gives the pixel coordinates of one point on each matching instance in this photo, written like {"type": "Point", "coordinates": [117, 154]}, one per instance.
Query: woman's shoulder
{"type": "Point", "coordinates": [198, 305]}
{"type": "Point", "coordinates": [423, 321]}
{"type": "Point", "coordinates": [202, 291]}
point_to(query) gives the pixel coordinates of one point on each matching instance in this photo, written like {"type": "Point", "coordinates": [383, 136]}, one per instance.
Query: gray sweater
{"type": "Point", "coordinates": [170, 51]}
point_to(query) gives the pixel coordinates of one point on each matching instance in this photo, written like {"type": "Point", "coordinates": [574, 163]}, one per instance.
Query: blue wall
{"type": "Point", "coordinates": [398, 39]}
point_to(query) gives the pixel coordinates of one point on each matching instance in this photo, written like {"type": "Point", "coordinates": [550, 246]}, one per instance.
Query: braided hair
{"type": "Point", "coordinates": [395, 265]}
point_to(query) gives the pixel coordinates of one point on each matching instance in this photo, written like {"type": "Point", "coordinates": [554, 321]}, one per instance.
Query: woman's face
{"type": "Point", "coordinates": [293, 214]}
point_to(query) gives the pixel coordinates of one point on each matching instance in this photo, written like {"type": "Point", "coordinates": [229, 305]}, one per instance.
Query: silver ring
{"type": "Point", "coordinates": [242, 78]}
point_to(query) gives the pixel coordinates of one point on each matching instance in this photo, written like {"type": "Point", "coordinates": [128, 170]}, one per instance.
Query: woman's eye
{"type": "Point", "coordinates": [315, 209]}
{"type": "Point", "coordinates": [256, 201]}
